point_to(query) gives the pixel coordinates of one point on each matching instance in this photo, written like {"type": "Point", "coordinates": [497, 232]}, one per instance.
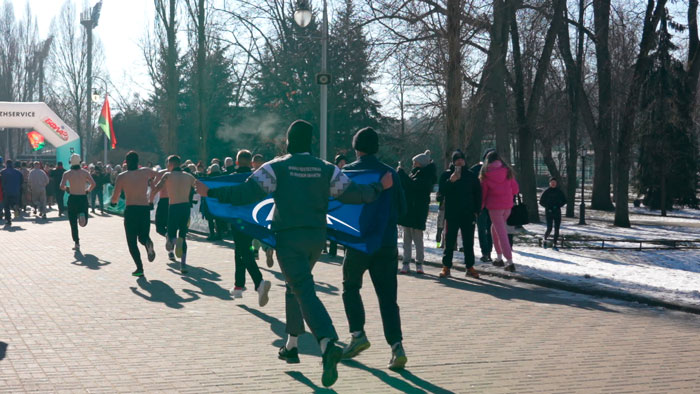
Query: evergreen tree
{"type": "Point", "coordinates": [350, 102]}
{"type": "Point", "coordinates": [668, 150]}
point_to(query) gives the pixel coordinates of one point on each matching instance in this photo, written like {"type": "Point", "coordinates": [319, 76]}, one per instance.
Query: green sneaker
{"type": "Point", "coordinates": [356, 346]}
{"type": "Point", "coordinates": [138, 272]}
{"type": "Point", "coordinates": [398, 358]}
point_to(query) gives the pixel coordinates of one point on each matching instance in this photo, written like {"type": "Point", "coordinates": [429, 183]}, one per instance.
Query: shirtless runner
{"type": "Point", "coordinates": [137, 216]}
{"type": "Point", "coordinates": [75, 182]}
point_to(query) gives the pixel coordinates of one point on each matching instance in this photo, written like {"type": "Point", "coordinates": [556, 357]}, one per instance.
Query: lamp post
{"type": "Point", "coordinates": [302, 17]}
{"type": "Point", "coordinates": [96, 96]}
{"type": "Point", "coordinates": [582, 209]}
{"type": "Point", "coordinates": [89, 20]}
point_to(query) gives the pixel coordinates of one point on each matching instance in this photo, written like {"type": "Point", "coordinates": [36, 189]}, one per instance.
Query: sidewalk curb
{"type": "Point", "coordinates": [591, 290]}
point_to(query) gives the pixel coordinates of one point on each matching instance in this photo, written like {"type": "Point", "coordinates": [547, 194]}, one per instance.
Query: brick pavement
{"type": "Point", "coordinates": [85, 325]}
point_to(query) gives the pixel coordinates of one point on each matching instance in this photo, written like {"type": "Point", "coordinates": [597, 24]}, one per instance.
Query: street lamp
{"type": "Point", "coordinates": [582, 208]}
{"type": "Point", "coordinates": [302, 17]}
{"type": "Point", "coordinates": [89, 20]}
{"type": "Point", "coordinates": [95, 97]}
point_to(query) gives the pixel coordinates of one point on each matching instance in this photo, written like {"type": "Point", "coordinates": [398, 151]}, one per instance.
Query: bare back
{"type": "Point", "coordinates": [178, 184]}
{"type": "Point", "coordinates": [135, 186]}
{"type": "Point", "coordinates": [164, 191]}
{"type": "Point", "coordinates": [77, 181]}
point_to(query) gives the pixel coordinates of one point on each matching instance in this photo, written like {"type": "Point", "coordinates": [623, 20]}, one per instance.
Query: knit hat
{"type": "Point", "coordinates": [339, 158]}
{"type": "Point", "coordinates": [366, 141]}
{"type": "Point", "coordinates": [423, 159]}
{"type": "Point", "coordinates": [299, 135]}
{"type": "Point", "coordinates": [214, 168]}
{"type": "Point", "coordinates": [456, 155]}
{"type": "Point", "coordinates": [74, 159]}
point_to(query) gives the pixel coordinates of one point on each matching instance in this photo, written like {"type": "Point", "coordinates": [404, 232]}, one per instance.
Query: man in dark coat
{"type": "Point", "coordinates": [462, 192]}
{"type": "Point", "coordinates": [552, 200]}
{"type": "Point", "coordinates": [417, 187]}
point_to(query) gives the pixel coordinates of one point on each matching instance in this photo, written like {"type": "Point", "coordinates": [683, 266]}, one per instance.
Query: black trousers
{"type": "Point", "coordinates": [553, 216]}
{"type": "Point", "coordinates": [483, 224]}
{"type": "Point", "coordinates": [178, 222]}
{"type": "Point", "coordinates": [59, 200]}
{"type": "Point", "coordinates": [453, 225]}
{"type": "Point", "coordinates": [77, 204]}
{"type": "Point", "coordinates": [97, 193]}
{"type": "Point", "coordinates": [137, 223]}
{"type": "Point", "coordinates": [8, 203]}
{"type": "Point", "coordinates": [382, 270]}
{"type": "Point", "coordinates": [245, 260]}
{"type": "Point", "coordinates": [162, 216]}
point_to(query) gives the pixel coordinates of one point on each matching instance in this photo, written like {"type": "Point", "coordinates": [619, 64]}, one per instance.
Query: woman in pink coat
{"type": "Point", "coordinates": [498, 186]}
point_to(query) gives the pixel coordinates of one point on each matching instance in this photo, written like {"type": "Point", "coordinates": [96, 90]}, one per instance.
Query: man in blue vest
{"type": "Point", "coordinates": [301, 185]}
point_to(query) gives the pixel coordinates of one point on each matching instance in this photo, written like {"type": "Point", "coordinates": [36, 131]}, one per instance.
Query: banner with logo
{"type": "Point", "coordinates": [360, 227]}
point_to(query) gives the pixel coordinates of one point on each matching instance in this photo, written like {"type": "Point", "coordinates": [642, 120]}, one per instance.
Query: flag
{"type": "Point", "coordinates": [105, 123]}
{"type": "Point", "coordinates": [36, 140]}
{"type": "Point", "coordinates": [360, 227]}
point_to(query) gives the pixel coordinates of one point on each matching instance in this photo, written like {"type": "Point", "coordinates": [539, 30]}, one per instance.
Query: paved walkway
{"type": "Point", "coordinates": [81, 323]}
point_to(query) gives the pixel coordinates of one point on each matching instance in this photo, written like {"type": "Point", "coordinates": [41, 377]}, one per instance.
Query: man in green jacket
{"type": "Point", "coordinates": [301, 185]}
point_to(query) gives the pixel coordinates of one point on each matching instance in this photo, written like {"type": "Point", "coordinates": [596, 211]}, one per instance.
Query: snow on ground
{"type": "Point", "coordinates": [668, 275]}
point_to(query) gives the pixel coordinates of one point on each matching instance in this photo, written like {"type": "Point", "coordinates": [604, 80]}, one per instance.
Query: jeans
{"type": "Point", "coordinates": [137, 224]}
{"type": "Point", "coordinates": [483, 224]}
{"type": "Point", "coordinates": [500, 233]}
{"type": "Point", "coordinates": [297, 252]}
{"type": "Point", "coordinates": [382, 270]}
{"type": "Point", "coordinates": [413, 236]}
{"type": "Point", "coordinates": [452, 226]}
{"type": "Point", "coordinates": [553, 216]}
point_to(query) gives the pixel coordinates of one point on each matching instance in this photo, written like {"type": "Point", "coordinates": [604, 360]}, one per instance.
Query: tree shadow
{"type": "Point", "coordinates": [542, 257]}
{"type": "Point", "coordinates": [399, 384]}
{"type": "Point", "coordinates": [161, 292]}
{"type": "Point", "coordinates": [88, 261]}
{"type": "Point", "coordinates": [301, 378]}
{"type": "Point", "coordinates": [307, 344]}
{"type": "Point", "coordinates": [3, 350]}
{"type": "Point", "coordinates": [204, 279]}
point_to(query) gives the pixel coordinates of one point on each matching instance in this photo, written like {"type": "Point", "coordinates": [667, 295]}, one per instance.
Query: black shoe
{"type": "Point", "coordinates": [498, 263]}
{"type": "Point", "coordinates": [290, 356]}
{"type": "Point", "coordinates": [485, 259]}
{"type": "Point", "coordinates": [331, 357]}
{"type": "Point", "coordinates": [510, 267]}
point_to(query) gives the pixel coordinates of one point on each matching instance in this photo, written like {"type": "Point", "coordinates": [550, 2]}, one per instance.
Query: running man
{"type": "Point", "coordinates": [74, 182]}
{"type": "Point", "coordinates": [301, 185]}
{"type": "Point", "coordinates": [178, 184]}
{"type": "Point", "coordinates": [137, 214]}
{"type": "Point", "coordinates": [163, 207]}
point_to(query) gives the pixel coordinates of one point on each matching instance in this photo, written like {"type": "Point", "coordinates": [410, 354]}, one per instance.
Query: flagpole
{"type": "Point", "coordinates": [105, 160]}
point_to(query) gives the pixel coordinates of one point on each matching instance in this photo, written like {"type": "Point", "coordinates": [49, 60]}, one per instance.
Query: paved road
{"type": "Point", "coordinates": [81, 323]}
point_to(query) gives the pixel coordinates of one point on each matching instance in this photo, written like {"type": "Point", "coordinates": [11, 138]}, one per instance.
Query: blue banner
{"type": "Point", "coordinates": [360, 227]}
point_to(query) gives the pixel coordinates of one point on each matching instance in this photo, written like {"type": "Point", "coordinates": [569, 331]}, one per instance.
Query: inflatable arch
{"type": "Point", "coordinates": [41, 118]}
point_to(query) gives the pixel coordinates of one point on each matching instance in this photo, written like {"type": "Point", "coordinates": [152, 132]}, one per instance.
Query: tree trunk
{"type": "Point", "coordinates": [497, 81]}
{"type": "Point", "coordinates": [549, 159]}
{"type": "Point", "coordinates": [624, 145]}
{"type": "Point", "coordinates": [603, 134]}
{"type": "Point", "coordinates": [172, 82]}
{"type": "Point", "coordinates": [453, 113]}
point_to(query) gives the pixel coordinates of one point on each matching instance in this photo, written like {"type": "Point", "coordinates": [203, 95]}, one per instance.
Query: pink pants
{"type": "Point", "coordinates": [499, 233]}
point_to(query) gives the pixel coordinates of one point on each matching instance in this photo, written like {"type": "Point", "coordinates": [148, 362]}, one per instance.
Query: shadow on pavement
{"type": "Point", "coordinates": [422, 383]}
{"type": "Point", "coordinates": [3, 350]}
{"type": "Point", "coordinates": [307, 344]}
{"type": "Point", "coordinates": [161, 292]}
{"type": "Point", "coordinates": [89, 261]}
{"type": "Point", "coordinates": [204, 279]}
{"type": "Point", "coordinates": [505, 291]}
{"type": "Point", "coordinates": [323, 287]}
{"type": "Point", "coordinates": [301, 378]}
{"type": "Point", "coordinates": [399, 384]}
{"type": "Point", "coordinates": [13, 229]}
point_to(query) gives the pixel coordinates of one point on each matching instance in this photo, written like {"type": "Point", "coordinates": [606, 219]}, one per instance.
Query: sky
{"type": "Point", "coordinates": [121, 26]}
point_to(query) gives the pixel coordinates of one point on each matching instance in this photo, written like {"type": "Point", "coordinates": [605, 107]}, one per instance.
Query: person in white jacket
{"type": "Point", "coordinates": [37, 186]}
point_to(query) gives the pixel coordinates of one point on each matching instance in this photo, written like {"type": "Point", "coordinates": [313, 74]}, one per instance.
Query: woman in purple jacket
{"type": "Point", "coordinates": [498, 186]}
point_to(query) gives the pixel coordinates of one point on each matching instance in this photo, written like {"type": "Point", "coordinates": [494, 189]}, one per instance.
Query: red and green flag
{"type": "Point", "coordinates": [36, 140]}
{"type": "Point", "coordinates": [105, 123]}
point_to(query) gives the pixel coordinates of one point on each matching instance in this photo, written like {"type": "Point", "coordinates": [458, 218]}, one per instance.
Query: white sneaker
{"type": "Point", "coordinates": [82, 220]}
{"type": "Point", "coordinates": [406, 268]}
{"type": "Point", "coordinates": [263, 292]}
{"type": "Point", "coordinates": [237, 292]}
{"type": "Point", "coordinates": [419, 268]}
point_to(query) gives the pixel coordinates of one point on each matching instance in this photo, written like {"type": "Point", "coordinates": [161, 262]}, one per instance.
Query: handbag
{"type": "Point", "coordinates": [518, 214]}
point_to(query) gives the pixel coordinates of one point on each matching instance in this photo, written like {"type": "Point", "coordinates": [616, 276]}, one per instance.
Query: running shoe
{"type": "Point", "coordinates": [398, 358]}
{"type": "Point", "coordinates": [169, 245]}
{"type": "Point", "coordinates": [264, 292]}
{"type": "Point", "coordinates": [151, 251]}
{"type": "Point", "coordinates": [171, 256]}
{"type": "Point", "coordinates": [237, 292]}
{"type": "Point", "coordinates": [138, 272]}
{"type": "Point", "coordinates": [510, 267]}
{"type": "Point", "coordinates": [356, 346]}
{"type": "Point", "coordinates": [290, 356]}
{"type": "Point", "coordinates": [76, 247]}
{"type": "Point", "coordinates": [183, 268]}
{"type": "Point", "coordinates": [268, 255]}
{"type": "Point", "coordinates": [498, 263]}
{"type": "Point", "coordinates": [178, 247]}
{"type": "Point", "coordinates": [331, 357]}
{"type": "Point", "coordinates": [82, 220]}
{"type": "Point", "coordinates": [419, 269]}
{"type": "Point", "coordinates": [405, 269]}
{"type": "Point", "coordinates": [485, 259]}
